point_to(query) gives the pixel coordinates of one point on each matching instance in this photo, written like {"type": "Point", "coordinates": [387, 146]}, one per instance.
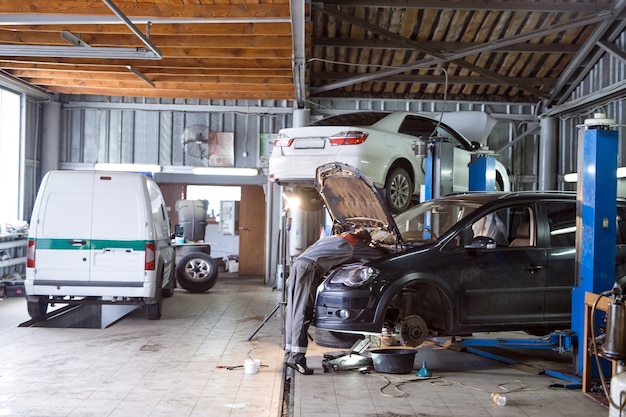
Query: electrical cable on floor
{"type": "Point", "coordinates": [504, 389]}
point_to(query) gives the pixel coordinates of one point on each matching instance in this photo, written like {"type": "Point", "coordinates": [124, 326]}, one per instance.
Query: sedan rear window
{"type": "Point", "coordinates": [367, 118]}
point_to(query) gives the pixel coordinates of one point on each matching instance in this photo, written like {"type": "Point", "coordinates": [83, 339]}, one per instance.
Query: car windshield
{"type": "Point", "coordinates": [431, 219]}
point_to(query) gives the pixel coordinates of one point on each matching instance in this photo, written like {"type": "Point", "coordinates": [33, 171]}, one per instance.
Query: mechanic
{"type": "Point", "coordinates": [491, 226]}
{"type": "Point", "coordinates": [305, 275]}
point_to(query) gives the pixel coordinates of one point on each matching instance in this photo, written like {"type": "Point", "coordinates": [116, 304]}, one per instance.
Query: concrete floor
{"type": "Point", "coordinates": [173, 367]}
{"type": "Point", "coordinates": [138, 367]}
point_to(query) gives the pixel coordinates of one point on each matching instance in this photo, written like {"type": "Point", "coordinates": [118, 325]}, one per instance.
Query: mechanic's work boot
{"type": "Point", "coordinates": [298, 363]}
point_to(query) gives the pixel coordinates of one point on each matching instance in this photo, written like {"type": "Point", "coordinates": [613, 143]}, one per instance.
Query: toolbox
{"type": "Point", "coordinates": [12, 288]}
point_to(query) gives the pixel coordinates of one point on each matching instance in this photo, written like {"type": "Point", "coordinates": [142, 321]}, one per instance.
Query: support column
{"type": "Point", "coordinates": [595, 218]}
{"type": "Point", "coordinates": [50, 137]}
{"type": "Point", "coordinates": [547, 179]}
{"type": "Point", "coordinates": [301, 117]}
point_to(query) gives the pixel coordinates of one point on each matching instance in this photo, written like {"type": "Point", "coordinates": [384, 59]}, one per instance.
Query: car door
{"type": "Point", "coordinates": [561, 259]}
{"type": "Point", "coordinates": [505, 284]}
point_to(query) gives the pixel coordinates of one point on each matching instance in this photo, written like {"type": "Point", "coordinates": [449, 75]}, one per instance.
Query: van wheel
{"type": "Point", "coordinates": [168, 291]}
{"type": "Point", "coordinates": [153, 311]}
{"type": "Point", "coordinates": [196, 272]}
{"type": "Point", "coordinates": [38, 309]}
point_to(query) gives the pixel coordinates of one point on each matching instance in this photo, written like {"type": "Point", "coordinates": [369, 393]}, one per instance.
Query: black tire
{"type": "Point", "coordinates": [38, 309]}
{"type": "Point", "coordinates": [327, 338]}
{"type": "Point", "coordinates": [168, 291]}
{"type": "Point", "coordinates": [153, 310]}
{"type": "Point", "coordinates": [398, 190]}
{"type": "Point", "coordinates": [197, 272]}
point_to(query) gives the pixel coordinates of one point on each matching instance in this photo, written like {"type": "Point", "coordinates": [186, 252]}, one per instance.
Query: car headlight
{"type": "Point", "coordinates": [354, 277]}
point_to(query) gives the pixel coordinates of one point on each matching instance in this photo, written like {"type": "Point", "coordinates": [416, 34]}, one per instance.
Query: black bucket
{"type": "Point", "coordinates": [393, 361]}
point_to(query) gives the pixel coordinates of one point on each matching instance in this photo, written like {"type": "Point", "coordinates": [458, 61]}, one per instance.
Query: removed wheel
{"type": "Point", "coordinates": [398, 190]}
{"type": "Point", "coordinates": [197, 272]}
{"type": "Point", "coordinates": [38, 308]}
{"type": "Point", "coordinates": [327, 338]}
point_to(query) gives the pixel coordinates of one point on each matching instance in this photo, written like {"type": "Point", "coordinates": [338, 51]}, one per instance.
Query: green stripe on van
{"type": "Point", "coordinates": [69, 244]}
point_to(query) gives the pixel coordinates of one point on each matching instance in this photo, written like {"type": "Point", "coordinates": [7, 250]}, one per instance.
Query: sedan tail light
{"type": "Point", "coordinates": [282, 141]}
{"type": "Point", "coordinates": [348, 138]}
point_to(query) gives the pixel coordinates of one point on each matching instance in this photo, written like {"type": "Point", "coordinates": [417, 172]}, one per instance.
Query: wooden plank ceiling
{"type": "Point", "coordinates": [476, 50]}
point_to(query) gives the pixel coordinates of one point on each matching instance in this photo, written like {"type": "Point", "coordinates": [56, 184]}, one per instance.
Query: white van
{"type": "Point", "coordinates": [102, 236]}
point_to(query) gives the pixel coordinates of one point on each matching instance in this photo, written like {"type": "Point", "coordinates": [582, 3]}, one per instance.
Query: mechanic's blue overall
{"type": "Point", "coordinates": [304, 277]}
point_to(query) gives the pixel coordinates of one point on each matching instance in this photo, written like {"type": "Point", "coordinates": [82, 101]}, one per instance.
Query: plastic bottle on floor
{"type": "Point", "coordinates": [498, 399]}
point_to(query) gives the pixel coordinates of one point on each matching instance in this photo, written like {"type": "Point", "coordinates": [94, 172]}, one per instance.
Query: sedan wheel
{"type": "Point", "coordinates": [398, 190]}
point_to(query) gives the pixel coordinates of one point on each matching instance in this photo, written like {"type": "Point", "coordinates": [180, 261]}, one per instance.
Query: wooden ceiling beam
{"type": "Point", "coordinates": [200, 63]}
{"type": "Point", "coordinates": [169, 78]}
{"type": "Point", "coordinates": [78, 69]}
{"type": "Point", "coordinates": [443, 47]}
{"type": "Point", "coordinates": [146, 9]}
{"type": "Point", "coordinates": [195, 93]}
{"type": "Point", "coordinates": [163, 41]}
{"type": "Point", "coordinates": [167, 85]}
{"type": "Point", "coordinates": [212, 29]}
{"type": "Point", "coordinates": [519, 5]}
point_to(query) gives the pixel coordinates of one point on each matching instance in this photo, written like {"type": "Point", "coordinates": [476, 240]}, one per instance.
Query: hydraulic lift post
{"type": "Point", "coordinates": [482, 171]}
{"type": "Point", "coordinates": [595, 218]}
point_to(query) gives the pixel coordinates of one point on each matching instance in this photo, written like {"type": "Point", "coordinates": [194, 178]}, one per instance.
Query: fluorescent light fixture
{"type": "Point", "coordinates": [236, 172]}
{"type": "Point", "coordinates": [74, 52]}
{"type": "Point", "coordinates": [573, 177]}
{"type": "Point", "coordinates": [128, 167]}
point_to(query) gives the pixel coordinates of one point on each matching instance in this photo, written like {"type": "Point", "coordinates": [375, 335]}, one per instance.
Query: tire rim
{"type": "Point", "coordinates": [399, 190]}
{"type": "Point", "coordinates": [197, 269]}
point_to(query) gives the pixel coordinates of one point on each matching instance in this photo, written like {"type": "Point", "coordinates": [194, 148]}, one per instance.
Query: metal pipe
{"type": "Point", "coordinates": [133, 28]}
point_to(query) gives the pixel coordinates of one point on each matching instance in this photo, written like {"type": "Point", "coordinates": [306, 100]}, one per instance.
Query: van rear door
{"type": "Point", "coordinates": [118, 229]}
{"type": "Point", "coordinates": [63, 228]}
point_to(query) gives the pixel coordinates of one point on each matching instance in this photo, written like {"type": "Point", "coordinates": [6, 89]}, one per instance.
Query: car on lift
{"type": "Point", "coordinates": [447, 274]}
{"type": "Point", "coordinates": [381, 145]}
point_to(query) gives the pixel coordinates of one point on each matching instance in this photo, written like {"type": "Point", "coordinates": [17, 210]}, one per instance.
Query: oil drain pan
{"type": "Point", "coordinates": [393, 361]}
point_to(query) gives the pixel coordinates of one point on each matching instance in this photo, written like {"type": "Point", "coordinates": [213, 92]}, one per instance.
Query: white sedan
{"type": "Point", "coordinates": [381, 145]}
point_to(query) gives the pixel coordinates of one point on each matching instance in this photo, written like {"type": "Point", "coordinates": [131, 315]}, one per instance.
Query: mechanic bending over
{"type": "Point", "coordinates": [305, 275]}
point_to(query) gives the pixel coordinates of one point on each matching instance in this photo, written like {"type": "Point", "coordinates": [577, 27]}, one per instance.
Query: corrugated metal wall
{"type": "Point", "coordinates": [603, 89]}
{"type": "Point", "coordinates": [153, 131]}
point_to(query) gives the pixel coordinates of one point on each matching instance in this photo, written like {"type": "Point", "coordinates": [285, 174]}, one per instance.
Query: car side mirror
{"type": "Point", "coordinates": [482, 242]}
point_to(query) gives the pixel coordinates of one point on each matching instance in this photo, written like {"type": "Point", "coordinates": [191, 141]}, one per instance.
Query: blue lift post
{"type": "Point", "coordinates": [482, 172]}
{"type": "Point", "coordinates": [595, 218]}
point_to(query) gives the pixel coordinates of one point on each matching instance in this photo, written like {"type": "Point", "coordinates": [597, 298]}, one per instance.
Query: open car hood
{"type": "Point", "coordinates": [352, 200]}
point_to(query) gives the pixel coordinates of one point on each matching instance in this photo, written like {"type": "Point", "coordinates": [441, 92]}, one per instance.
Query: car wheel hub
{"type": "Point", "coordinates": [412, 330]}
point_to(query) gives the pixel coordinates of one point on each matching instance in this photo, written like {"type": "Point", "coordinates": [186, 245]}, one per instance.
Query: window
{"type": "Point", "coordinates": [562, 220]}
{"type": "Point", "coordinates": [9, 157]}
{"type": "Point", "coordinates": [213, 194]}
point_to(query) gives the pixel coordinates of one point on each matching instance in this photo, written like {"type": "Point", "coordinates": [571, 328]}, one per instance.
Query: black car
{"type": "Point", "coordinates": [443, 276]}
